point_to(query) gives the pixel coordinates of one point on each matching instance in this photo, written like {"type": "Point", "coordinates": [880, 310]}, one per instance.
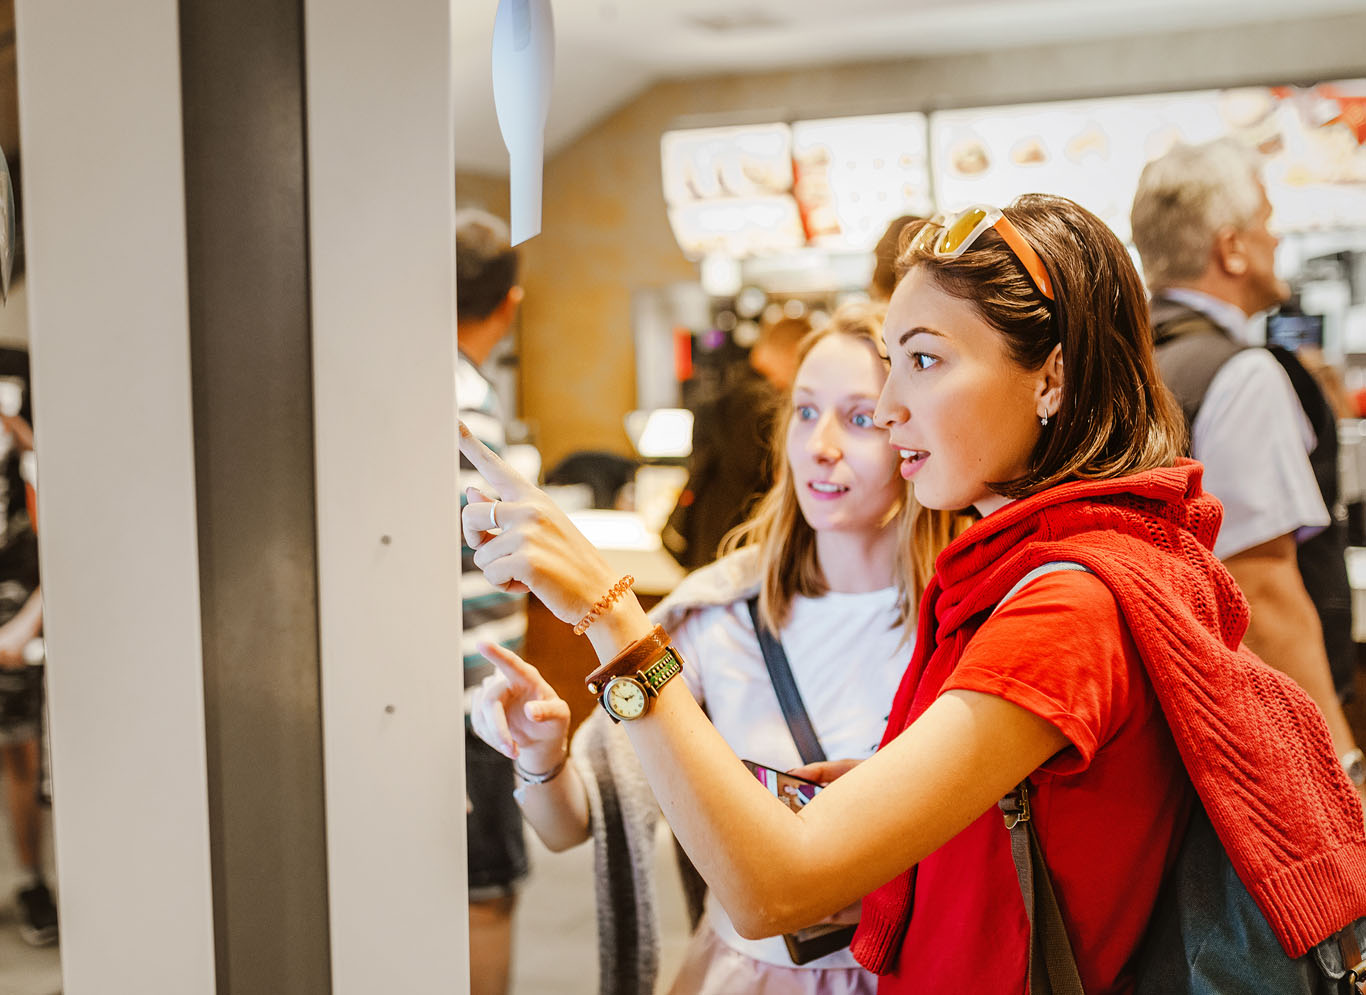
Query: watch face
{"type": "Point", "coordinates": [625, 698]}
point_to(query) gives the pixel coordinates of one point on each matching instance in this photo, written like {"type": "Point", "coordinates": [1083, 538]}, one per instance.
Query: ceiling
{"type": "Point", "coordinates": [607, 51]}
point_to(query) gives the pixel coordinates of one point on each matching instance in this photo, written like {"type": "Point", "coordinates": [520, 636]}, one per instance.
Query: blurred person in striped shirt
{"type": "Point", "coordinates": [487, 297]}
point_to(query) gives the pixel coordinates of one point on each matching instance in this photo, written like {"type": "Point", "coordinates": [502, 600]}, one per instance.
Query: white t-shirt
{"type": "Point", "coordinates": [1254, 439]}
{"type": "Point", "coordinates": [847, 659]}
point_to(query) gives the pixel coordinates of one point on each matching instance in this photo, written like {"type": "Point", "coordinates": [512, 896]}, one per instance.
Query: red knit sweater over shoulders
{"type": "Point", "coordinates": [1256, 747]}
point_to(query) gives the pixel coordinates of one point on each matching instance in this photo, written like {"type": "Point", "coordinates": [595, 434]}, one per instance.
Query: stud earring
{"type": "Point", "coordinates": [1043, 420]}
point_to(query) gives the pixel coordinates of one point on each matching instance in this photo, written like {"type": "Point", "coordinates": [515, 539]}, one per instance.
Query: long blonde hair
{"type": "Point", "coordinates": [787, 543]}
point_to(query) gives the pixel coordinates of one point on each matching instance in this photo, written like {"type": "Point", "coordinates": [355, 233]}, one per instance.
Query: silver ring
{"type": "Point", "coordinates": [493, 513]}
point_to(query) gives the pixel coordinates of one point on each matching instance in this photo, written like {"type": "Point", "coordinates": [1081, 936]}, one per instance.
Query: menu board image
{"type": "Point", "coordinates": [738, 227]}
{"type": "Point", "coordinates": [716, 163]}
{"type": "Point", "coordinates": [855, 174]}
{"type": "Point", "coordinates": [729, 189]}
{"type": "Point", "coordinates": [1089, 150]}
{"type": "Point", "coordinates": [1316, 167]}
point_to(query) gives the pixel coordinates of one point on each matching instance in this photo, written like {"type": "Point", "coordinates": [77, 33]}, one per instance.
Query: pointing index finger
{"type": "Point", "coordinates": [509, 483]}
{"type": "Point", "coordinates": [517, 672]}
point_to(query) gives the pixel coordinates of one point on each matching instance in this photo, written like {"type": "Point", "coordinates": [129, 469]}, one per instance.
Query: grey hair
{"type": "Point", "coordinates": [1184, 199]}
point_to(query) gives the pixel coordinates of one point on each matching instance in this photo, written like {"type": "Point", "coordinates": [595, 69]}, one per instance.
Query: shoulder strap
{"type": "Point", "coordinates": [1052, 965]}
{"type": "Point", "coordinates": [789, 698]}
{"type": "Point", "coordinates": [1048, 568]}
{"type": "Point", "coordinates": [1190, 350]}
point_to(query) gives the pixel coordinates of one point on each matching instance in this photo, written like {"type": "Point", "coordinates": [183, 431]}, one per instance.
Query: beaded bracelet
{"type": "Point", "coordinates": [605, 602]}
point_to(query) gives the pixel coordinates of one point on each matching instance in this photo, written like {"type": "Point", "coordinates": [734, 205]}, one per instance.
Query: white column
{"type": "Point", "coordinates": [381, 193]}
{"type": "Point", "coordinates": [104, 227]}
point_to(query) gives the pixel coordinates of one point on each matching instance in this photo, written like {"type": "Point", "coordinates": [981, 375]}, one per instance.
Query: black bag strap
{"type": "Point", "coordinates": [1052, 965]}
{"type": "Point", "coordinates": [789, 698]}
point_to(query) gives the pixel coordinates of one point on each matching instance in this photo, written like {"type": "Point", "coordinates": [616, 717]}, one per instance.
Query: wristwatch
{"type": "Point", "coordinates": [629, 696]}
{"type": "Point", "coordinates": [1354, 763]}
{"type": "Point", "coordinates": [635, 657]}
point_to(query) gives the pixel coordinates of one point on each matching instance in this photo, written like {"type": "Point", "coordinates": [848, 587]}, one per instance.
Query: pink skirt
{"type": "Point", "coordinates": [710, 967]}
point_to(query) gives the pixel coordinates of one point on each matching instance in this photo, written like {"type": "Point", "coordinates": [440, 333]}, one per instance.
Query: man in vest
{"type": "Point", "coordinates": [1256, 418]}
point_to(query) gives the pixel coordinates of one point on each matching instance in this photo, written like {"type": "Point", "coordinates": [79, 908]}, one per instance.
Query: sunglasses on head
{"type": "Point", "coordinates": [954, 236]}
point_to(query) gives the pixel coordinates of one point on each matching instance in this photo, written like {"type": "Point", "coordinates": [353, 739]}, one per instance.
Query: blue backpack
{"type": "Point", "coordinates": [1206, 937]}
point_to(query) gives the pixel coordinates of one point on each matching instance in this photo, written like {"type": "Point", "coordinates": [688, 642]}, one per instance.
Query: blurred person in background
{"type": "Point", "coordinates": [730, 465]}
{"type": "Point", "coordinates": [1256, 418]}
{"type": "Point", "coordinates": [21, 687]}
{"type": "Point", "coordinates": [487, 298]}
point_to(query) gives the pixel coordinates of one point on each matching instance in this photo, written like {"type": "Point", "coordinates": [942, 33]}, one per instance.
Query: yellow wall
{"type": "Point", "coordinates": [605, 231]}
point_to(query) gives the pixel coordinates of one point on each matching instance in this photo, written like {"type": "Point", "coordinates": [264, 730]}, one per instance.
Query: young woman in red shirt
{"type": "Point", "coordinates": [1022, 385]}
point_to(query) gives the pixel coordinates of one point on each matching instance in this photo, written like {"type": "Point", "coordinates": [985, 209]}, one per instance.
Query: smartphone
{"type": "Point", "coordinates": [792, 791]}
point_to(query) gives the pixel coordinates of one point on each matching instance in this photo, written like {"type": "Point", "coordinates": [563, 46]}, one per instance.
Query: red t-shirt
{"type": "Point", "coordinates": [1110, 809]}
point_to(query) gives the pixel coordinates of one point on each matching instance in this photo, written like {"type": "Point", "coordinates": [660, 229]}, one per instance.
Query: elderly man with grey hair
{"type": "Point", "coordinates": [1256, 418]}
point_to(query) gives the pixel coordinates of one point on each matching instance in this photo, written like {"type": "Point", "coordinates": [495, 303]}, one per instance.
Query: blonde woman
{"type": "Point", "coordinates": [828, 555]}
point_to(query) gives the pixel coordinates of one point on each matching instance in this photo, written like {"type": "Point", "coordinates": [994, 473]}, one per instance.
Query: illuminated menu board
{"type": "Point", "coordinates": [729, 190]}
{"type": "Point", "coordinates": [835, 183]}
{"type": "Point", "coordinates": [1093, 150]}
{"type": "Point", "coordinates": [855, 174]}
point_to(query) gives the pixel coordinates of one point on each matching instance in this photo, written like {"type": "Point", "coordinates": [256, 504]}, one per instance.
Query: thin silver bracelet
{"type": "Point", "coordinates": [550, 775]}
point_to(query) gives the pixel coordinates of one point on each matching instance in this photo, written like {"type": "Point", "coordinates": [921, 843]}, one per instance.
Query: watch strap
{"type": "Point", "coordinates": [650, 680]}
{"type": "Point", "coordinates": [636, 657]}
{"type": "Point", "coordinates": [663, 670]}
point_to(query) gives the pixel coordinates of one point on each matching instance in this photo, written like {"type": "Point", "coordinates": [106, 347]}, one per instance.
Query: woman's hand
{"type": "Point", "coordinates": [517, 713]}
{"type": "Point", "coordinates": [524, 541]}
{"type": "Point", "coordinates": [824, 771]}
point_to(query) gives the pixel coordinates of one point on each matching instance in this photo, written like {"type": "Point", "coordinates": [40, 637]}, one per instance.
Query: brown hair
{"type": "Point", "coordinates": [886, 257]}
{"type": "Point", "coordinates": [485, 264]}
{"type": "Point", "coordinates": [787, 543]}
{"type": "Point", "coordinates": [1116, 416]}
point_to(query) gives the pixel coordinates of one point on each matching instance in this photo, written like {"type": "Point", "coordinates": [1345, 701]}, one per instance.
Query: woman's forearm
{"type": "Point", "coordinates": [622, 624]}
{"type": "Point", "coordinates": [558, 809]}
{"type": "Point", "coordinates": [774, 870]}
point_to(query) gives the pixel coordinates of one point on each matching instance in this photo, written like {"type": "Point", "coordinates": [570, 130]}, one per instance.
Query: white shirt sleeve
{"type": "Point", "coordinates": [1254, 439]}
{"type": "Point", "coordinates": [684, 637]}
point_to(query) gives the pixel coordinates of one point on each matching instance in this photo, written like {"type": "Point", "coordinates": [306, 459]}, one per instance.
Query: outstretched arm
{"type": "Point", "coordinates": [519, 714]}
{"type": "Point", "coordinates": [772, 869]}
